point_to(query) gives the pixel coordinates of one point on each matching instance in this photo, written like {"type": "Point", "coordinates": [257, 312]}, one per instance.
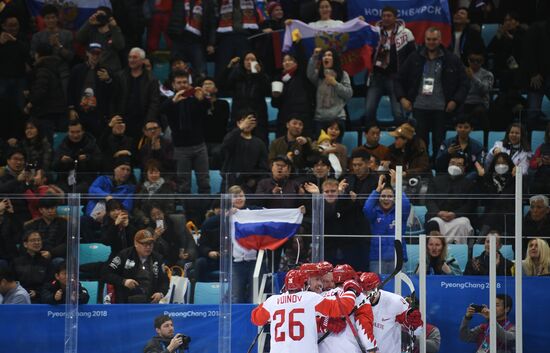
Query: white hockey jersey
{"type": "Point", "coordinates": [387, 330]}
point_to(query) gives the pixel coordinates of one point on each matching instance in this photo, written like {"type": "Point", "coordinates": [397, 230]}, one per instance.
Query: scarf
{"type": "Point", "coordinates": [289, 74]}
{"type": "Point", "coordinates": [485, 342]}
{"type": "Point", "coordinates": [153, 187]}
{"type": "Point", "coordinates": [384, 47]}
{"type": "Point", "coordinates": [500, 182]}
{"type": "Point", "coordinates": [193, 17]}
{"type": "Point", "coordinates": [247, 14]}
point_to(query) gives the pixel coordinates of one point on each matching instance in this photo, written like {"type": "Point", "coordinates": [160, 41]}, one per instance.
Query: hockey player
{"type": "Point", "coordinates": [341, 337]}
{"type": "Point", "coordinates": [292, 313]}
{"type": "Point", "coordinates": [315, 276]}
{"type": "Point", "coordinates": [328, 280]}
{"type": "Point", "coordinates": [391, 311]}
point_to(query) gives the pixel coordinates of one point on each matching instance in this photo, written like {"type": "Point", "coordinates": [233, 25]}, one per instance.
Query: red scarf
{"type": "Point", "coordinates": [193, 17]}
{"type": "Point", "coordinates": [248, 15]}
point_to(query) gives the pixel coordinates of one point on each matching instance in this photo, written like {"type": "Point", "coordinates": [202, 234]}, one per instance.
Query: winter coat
{"type": "Point", "coordinates": [473, 153]}
{"type": "Point", "coordinates": [520, 158]}
{"type": "Point", "coordinates": [470, 40]}
{"type": "Point", "coordinates": [46, 94]}
{"type": "Point", "coordinates": [504, 267]}
{"type": "Point", "coordinates": [38, 151]}
{"type": "Point", "coordinates": [85, 169]}
{"type": "Point", "coordinates": [33, 271]}
{"type": "Point", "coordinates": [414, 158]}
{"type": "Point", "coordinates": [104, 186]}
{"type": "Point", "coordinates": [445, 185]}
{"type": "Point", "coordinates": [47, 293]}
{"type": "Point", "coordinates": [383, 223]}
{"type": "Point", "coordinates": [177, 24]}
{"type": "Point", "coordinates": [186, 119]}
{"type": "Point", "coordinates": [404, 43]}
{"type": "Point", "coordinates": [111, 144]}
{"type": "Point", "coordinates": [117, 237]}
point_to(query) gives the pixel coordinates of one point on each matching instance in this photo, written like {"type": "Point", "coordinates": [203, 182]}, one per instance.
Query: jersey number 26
{"type": "Point", "coordinates": [295, 327]}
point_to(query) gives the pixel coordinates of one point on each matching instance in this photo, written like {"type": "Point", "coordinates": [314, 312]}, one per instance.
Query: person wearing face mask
{"type": "Point", "coordinates": [498, 182]}
{"type": "Point", "coordinates": [380, 212]}
{"type": "Point", "coordinates": [450, 205]}
{"type": "Point", "coordinates": [514, 144]}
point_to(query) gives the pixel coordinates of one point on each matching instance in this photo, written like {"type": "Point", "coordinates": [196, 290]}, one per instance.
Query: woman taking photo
{"type": "Point", "coordinates": [438, 261]}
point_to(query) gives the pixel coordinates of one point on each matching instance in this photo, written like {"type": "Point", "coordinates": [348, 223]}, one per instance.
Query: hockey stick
{"type": "Point", "coordinates": [255, 340]}
{"type": "Point", "coordinates": [350, 324]}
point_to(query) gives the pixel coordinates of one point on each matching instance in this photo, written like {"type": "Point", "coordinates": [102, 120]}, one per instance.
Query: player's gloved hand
{"type": "Point", "coordinates": [353, 286]}
{"type": "Point", "coordinates": [413, 319]}
{"type": "Point", "coordinates": [322, 323]}
{"type": "Point", "coordinates": [336, 325]}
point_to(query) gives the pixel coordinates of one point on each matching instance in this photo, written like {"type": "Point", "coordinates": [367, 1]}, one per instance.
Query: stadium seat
{"type": "Point", "coordinates": [493, 137]}
{"type": "Point", "coordinates": [460, 253]}
{"type": "Point", "coordinates": [161, 71]}
{"type": "Point", "coordinates": [58, 138]}
{"type": "Point", "coordinates": [64, 210]}
{"type": "Point", "coordinates": [488, 31]}
{"type": "Point", "coordinates": [476, 135]}
{"type": "Point", "coordinates": [93, 288]}
{"type": "Point", "coordinates": [215, 181]}
{"type": "Point", "coordinates": [384, 114]}
{"type": "Point", "coordinates": [385, 138]}
{"type": "Point", "coordinates": [271, 113]}
{"type": "Point", "coordinates": [271, 137]}
{"type": "Point", "coordinates": [412, 259]}
{"type": "Point", "coordinates": [350, 140]}
{"type": "Point", "coordinates": [93, 252]}
{"type": "Point", "coordinates": [506, 251]}
{"type": "Point", "coordinates": [537, 138]}
{"type": "Point", "coordinates": [356, 110]}
{"type": "Point", "coordinates": [137, 174]}
{"type": "Point", "coordinates": [206, 293]}
{"type": "Point", "coordinates": [420, 212]}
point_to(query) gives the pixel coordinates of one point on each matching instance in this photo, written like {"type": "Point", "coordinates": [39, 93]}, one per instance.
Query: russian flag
{"type": "Point", "coordinates": [354, 40]}
{"type": "Point", "coordinates": [418, 15]}
{"type": "Point", "coordinates": [73, 14]}
{"type": "Point", "coordinates": [265, 228]}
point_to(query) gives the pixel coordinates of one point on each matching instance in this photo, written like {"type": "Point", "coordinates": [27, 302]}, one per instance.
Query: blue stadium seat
{"type": "Point", "coordinates": [420, 212]}
{"type": "Point", "coordinates": [493, 137]}
{"type": "Point", "coordinates": [215, 181]}
{"type": "Point", "coordinates": [206, 293]}
{"type": "Point", "coordinates": [271, 113]}
{"type": "Point", "coordinates": [545, 106]}
{"type": "Point", "coordinates": [488, 31]}
{"type": "Point", "coordinates": [386, 139]}
{"type": "Point", "coordinates": [350, 140]}
{"type": "Point", "coordinates": [537, 138]}
{"type": "Point", "coordinates": [460, 253]}
{"type": "Point", "coordinates": [137, 174]}
{"type": "Point", "coordinates": [359, 78]}
{"type": "Point", "coordinates": [92, 287]}
{"type": "Point", "coordinates": [412, 259]}
{"type": "Point", "coordinates": [356, 109]}
{"type": "Point", "coordinates": [161, 71]}
{"type": "Point", "coordinates": [93, 252]}
{"type": "Point", "coordinates": [58, 138]}
{"type": "Point", "coordinates": [506, 251]}
{"type": "Point", "coordinates": [271, 137]}
{"type": "Point", "coordinates": [64, 210]}
{"type": "Point", "coordinates": [210, 68]}
{"type": "Point", "coordinates": [476, 135]}
{"type": "Point", "coordinates": [384, 114]}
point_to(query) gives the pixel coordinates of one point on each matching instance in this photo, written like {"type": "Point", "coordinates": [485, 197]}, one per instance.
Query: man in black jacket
{"type": "Point", "coordinates": [15, 179]}
{"type": "Point", "coordinates": [479, 265]}
{"type": "Point", "coordinates": [187, 114]}
{"type": "Point", "coordinates": [166, 340]}
{"type": "Point", "coordinates": [464, 38]}
{"type": "Point", "coordinates": [432, 83]}
{"type": "Point", "coordinates": [52, 228]}
{"type": "Point", "coordinates": [137, 272]}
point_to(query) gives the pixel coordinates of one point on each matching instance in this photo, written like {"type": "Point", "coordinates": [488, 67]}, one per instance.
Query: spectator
{"type": "Point", "coordinates": [192, 27]}
{"type": "Point", "coordinates": [372, 143]}
{"type": "Point", "coordinates": [320, 171]}
{"type": "Point", "coordinates": [499, 184]}
{"type": "Point", "coordinates": [10, 234]}
{"type": "Point", "coordinates": [217, 121]}
{"type": "Point", "coordinates": [435, 92]}
{"type": "Point", "coordinates": [461, 143]}
{"type": "Point", "coordinates": [395, 45]}
{"type": "Point", "coordinates": [137, 272]}
{"type": "Point", "coordinates": [537, 259]}
{"type": "Point", "coordinates": [47, 100]}
{"type": "Point", "coordinates": [297, 97]}
{"type": "Point", "coordinates": [54, 292]}
{"type": "Point", "coordinates": [60, 39]}
{"type": "Point", "coordinates": [264, 45]}
{"type": "Point", "coordinates": [93, 91]}
{"type": "Point", "coordinates": [483, 11]}
{"type": "Point", "coordinates": [450, 204]}
{"type": "Point", "coordinates": [333, 88]}
{"type": "Point", "coordinates": [540, 163]}
{"type": "Point", "coordinates": [379, 209]}
{"type": "Point", "coordinates": [102, 28]}
{"type": "Point", "coordinates": [240, 142]}
{"type": "Point", "coordinates": [140, 93]}
{"type": "Point", "coordinates": [438, 260]}
{"type": "Point", "coordinates": [14, 179]}
{"type": "Point", "coordinates": [52, 228]}
{"type": "Point", "coordinates": [506, 331]}
{"type": "Point", "coordinates": [131, 19]}
{"type": "Point", "coordinates": [33, 268]}
{"type": "Point", "coordinates": [276, 20]}
{"type": "Point", "coordinates": [208, 249]}
{"type": "Point", "coordinates": [114, 143]}
{"type": "Point", "coordinates": [536, 69]}
{"type": "Point", "coordinates": [40, 187]}
{"type": "Point", "coordinates": [506, 48]}
{"type": "Point", "coordinates": [14, 55]}
{"type": "Point", "coordinates": [409, 151]}
{"type": "Point", "coordinates": [116, 229]}
{"type": "Point", "coordinates": [157, 14]}
{"type": "Point", "coordinates": [77, 152]}
{"type": "Point", "coordinates": [279, 190]}
{"type": "Point", "coordinates": [479, 265]}
{"type": "Point", "coordinates": [150, 192]}
{"type": "Point", "coordinates": [166, 340]}
{"type": "Point", "coordinates": [38, 150]}
{"type": "Point", "coordinates": [187, 113]}
{"type": "Point", "coordinates": [329, 145]}
{"type": "Point", "coordinates": [294, 145]}
{"type": "Point", "coordinates": [324, 9]}
{"type": "Point", "coordinates": [153, 145]}
{"type": "Point", "coordinates": [295, 253]}
{"type": "Point", "coordinates": [465, 38]}
{"type": "Point", "coordinates": [536, 222]}
{"type": "Point", "coordinates": [249, 84]}
{"type": "Point", "coordinates": [12, 291]}
{"type": "Point", "coordinates": [514, 144]}
{"type": "Point", "coordinates": [118, 185]}
{"type": "Point", "coordinates": [481, 83]}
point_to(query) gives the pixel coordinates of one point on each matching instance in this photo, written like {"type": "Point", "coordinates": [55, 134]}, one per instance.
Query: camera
{"type": "Point", "coordinates": [102, 19]}
{"type": "Point", "coordinates": [185, 339]}
{"type": "Point", "coordinates": [31, 167]}
{"type": "Point", "coordinates": [478, 308]}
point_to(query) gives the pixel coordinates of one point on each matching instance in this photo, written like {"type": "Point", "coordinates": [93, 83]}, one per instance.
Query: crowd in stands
{"type": "Point", "coordinates": [82, 112]}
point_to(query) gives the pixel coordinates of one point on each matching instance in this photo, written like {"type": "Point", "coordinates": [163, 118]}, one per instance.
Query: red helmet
{"type": "Point", "coordinates": [325, 267]}
{"type": "Point", "coordinates": [342, 273]}
{"type": "Point", "coordinates": [369, 281]}
{"type": "Point", "coordinates": [295, 280]}
{"type": "Point", "coordinates": [312, 269]}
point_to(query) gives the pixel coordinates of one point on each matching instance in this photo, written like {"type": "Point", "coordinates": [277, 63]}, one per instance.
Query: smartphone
{"type": "Point", "coordinates": [478, 308]}
{"type": "Point", "coordinates": [253, 67]}
{"type": "Point", "coordinates": [160, 223]}
{"type": "Point", "coordinates": [189, 92]}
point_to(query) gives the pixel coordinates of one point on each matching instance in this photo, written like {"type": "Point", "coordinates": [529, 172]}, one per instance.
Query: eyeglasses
{"type": "Point", "coordinates": [146, 244]}
{"type": "Point", "coordinates": [152, 128]}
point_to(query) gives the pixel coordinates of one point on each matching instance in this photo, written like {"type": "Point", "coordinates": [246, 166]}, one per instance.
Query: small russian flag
{"type": "Point", "coordinates": [265, 228]}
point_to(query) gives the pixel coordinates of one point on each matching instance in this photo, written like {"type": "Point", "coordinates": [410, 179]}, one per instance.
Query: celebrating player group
{"type": "Point", "coordinates": [330, 309]}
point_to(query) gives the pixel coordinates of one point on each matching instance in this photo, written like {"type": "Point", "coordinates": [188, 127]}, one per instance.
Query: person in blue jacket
{"type": "Point", "coordinates": [380, 212]}
{"type": "Point", "coordinates": [118, 186]}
